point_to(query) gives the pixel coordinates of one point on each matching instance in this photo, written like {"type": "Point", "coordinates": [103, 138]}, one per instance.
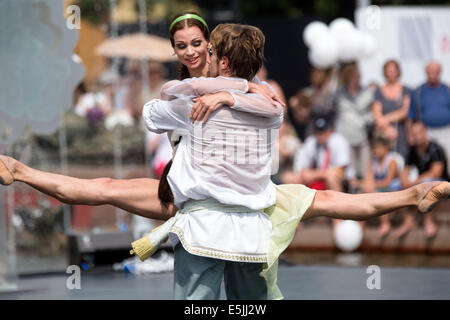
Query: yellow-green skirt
{"type": "Point", "coordinates": [292, 202]}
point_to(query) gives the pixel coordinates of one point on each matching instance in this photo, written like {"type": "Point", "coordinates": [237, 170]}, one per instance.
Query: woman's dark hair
{"type": "Point", "coordinates": [165, 194]}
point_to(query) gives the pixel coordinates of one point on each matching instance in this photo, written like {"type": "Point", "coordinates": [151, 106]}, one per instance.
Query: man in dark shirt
{"type": "Point", "coordinates": [431, 163]}
{"type": "Point", "coordinates": [430, 103]}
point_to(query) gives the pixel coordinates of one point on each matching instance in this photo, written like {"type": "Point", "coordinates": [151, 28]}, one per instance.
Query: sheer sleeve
{"type": "Point", "coordinates": [162, 116]}
{"type": "Point", "coordinates": [238, 88]}
{"type": "Point", "coordinates": [256, 104]}
{"type": "Point", "coordinates": [200, 86]}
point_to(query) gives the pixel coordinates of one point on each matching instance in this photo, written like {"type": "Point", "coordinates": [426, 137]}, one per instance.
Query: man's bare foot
{"type": "Point", "coordinates": [430, 193]}
{"type": "Point", "coordinates": [6, 170]}
{"type": "Point", "coordinates": [384, 229]}
{"type": "Point", "coordinates": [430, 229]}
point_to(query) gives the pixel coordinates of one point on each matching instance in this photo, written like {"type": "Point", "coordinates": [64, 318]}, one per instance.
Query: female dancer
{"type": "Point", "coordinates": [140, 195]}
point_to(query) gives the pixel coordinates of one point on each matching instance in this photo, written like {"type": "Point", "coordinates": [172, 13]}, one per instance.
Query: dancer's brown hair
{"type": "Point", "coordinates": [243, 45]}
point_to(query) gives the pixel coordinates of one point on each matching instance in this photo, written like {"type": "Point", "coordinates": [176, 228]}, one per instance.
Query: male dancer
{"type": "Point", "coordinates": [220, 179]}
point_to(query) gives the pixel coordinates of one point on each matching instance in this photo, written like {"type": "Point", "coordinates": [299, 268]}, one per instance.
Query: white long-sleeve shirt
{"type": "Point", "coordinates": [229, 158]}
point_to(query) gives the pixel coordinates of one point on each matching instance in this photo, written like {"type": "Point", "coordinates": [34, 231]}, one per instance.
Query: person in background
{"type": "Point", "coordinates": [287, 142]}
{"type": "Point", "coordinates": [116, 93]}
{"type": "Point", "coordinates": [156, 79]}
{"type": "Point", "coordinates": [160, 149]}
{"type": "Point", "coordinates": [383, 175]}
{"type": "Point", "coordinates": [429, 158]}
{"type": "Point", "coordinates": [299, 110]}
{"type": "Point", "coordinates": [321, 92]}
{"type": "Point", "coordinates": [321, 161]}
{"type": "Point", "coordinates": [285, 148]}
{"type": "Point", "coordinates": [78, 93]}
{"type": "Point", "coordinates": [96, 106]}
{"type": "Point", "coordinates": [312, 102]}
{"type": "Point", "coordinates": [391, 106]}
{"type": "Point", "coordinates": [430, 103]}
{"type": "Point", "coordinates": [262, 75]}
{"type": "Point", "coordinates": [354, 117]}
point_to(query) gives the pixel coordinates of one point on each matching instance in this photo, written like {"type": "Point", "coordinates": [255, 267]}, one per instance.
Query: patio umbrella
{"type": "Point", "coordinates": [137, 46]}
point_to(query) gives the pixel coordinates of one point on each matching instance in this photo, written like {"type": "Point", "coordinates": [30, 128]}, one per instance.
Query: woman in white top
{"type": "Point", "coordinates": [140, 196]}
{"type": "Point", "coordinates": [354, 117]}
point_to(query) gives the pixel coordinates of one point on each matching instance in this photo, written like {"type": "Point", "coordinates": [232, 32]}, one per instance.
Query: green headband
{"type": "Point", "coordinates": [188, 16]}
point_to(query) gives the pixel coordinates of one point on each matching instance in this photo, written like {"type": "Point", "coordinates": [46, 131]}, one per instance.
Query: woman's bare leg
{"type": "Point", "coordinates": [364, 206]}
{"type": "Point", "coordinates": [138, 196]}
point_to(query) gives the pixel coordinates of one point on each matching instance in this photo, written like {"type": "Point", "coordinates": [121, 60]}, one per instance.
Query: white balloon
{"type": "Point", "coordinates": [313, 31]}
{"type": "Point", "coordinates": [350, 46]}
{"type": "Point", "coordinates": [369, 45]}
{"type": "Point", "coordinates": [324, 52]}
{"type": "Point", "coordinates": [348, 235]}
{"type": "Point", "coordinates": [340, 26]}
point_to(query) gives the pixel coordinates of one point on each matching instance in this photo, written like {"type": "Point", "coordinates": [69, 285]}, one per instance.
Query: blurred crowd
{"type": "Point", "coordinates": [118, 99]}
{"type": "Point", "coordinates": [337, 133]}
{"type": "Point", "coordinates": [383, 137]}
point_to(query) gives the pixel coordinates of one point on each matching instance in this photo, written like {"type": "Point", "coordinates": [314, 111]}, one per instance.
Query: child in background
{"type": "Point", "coordinates": [383, 175]}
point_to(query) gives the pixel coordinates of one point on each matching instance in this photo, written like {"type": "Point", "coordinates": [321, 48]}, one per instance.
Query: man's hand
{"type": "Point", "coordinates": [265, 91]}
{"type": "Point", "coordinates": [204, 105]}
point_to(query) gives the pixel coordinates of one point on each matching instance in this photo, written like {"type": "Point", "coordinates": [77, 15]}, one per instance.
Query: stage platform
{"type": "Point", "coordinates": [296, 282]}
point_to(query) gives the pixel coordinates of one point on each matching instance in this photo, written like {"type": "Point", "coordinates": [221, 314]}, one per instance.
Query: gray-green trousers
{"type": "Point", "coordinates": [200, 278]}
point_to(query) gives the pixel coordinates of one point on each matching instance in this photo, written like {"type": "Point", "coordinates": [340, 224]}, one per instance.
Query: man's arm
{"type": "Point", "coordinates": [435, 172]}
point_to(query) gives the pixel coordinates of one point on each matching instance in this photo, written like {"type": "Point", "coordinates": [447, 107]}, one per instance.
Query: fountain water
{"type": "Point", "coordinates": [36, 48]}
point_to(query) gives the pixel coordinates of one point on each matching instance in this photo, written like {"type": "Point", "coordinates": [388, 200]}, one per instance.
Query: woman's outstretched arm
{"type": "Point", "coordinates": [137, 196]}
{"type": "Point", "coordinates": [364, 206]}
